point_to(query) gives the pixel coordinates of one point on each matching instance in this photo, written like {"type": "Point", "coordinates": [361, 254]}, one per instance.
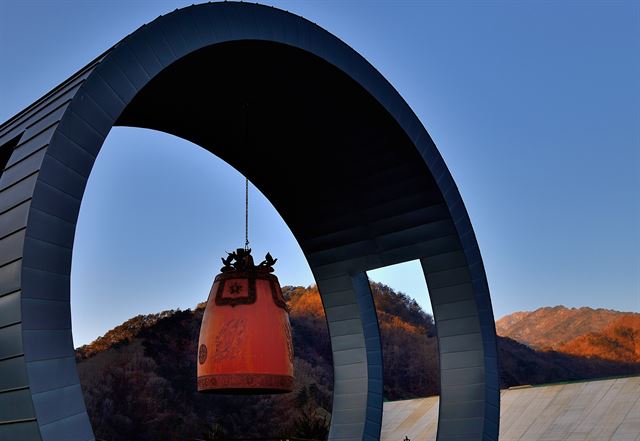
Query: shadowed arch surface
{"type": "Point", "coordinates": [376, 192]}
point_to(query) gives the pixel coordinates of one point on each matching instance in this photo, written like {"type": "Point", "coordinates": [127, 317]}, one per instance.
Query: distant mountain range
{"type": "Point", "coordinates": [586, 332]}
{"type": "Point", "coordinates": [139, 379]}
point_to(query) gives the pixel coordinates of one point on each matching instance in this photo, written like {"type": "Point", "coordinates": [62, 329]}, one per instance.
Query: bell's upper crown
{"type": "Point", "coordinates": [241, 260]}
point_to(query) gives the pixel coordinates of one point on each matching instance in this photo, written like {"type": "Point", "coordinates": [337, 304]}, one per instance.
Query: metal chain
{"type": "Point", "coordinates": [246, 180]}
{"type": "Point", "coordinates": [246, 213]}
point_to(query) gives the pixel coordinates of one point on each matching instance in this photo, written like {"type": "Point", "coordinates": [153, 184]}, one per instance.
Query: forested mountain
{"type": "Point", "coordinates": [550, 327]}
{"type": "Point", "coordinates": [619, 341]}
{"type": "Point", "coordinates": [139, 380]}
{"type": "Point", "coordinates": [586, 332]}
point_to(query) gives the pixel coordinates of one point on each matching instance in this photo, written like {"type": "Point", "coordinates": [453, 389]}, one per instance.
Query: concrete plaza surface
{"type": "Point", "coordinates": [598, 410]}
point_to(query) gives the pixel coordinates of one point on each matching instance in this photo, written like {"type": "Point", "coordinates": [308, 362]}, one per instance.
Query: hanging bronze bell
{"type": "Point", "coordinates": [245, 342]}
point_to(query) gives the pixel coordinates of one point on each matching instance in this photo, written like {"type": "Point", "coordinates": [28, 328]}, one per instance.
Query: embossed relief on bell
{"type": "Point", "coordinates": [229, 340]}
{"type": "Point", "coordinates": [287, 333]}
{"type": "Point", "coordinates": [202, 354]}
{"type": "Point", "coordinates": [236, 291]}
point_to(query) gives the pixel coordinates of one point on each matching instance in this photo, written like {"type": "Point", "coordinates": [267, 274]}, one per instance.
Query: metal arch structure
{"type": "Point", "coordinates": [333, 146]}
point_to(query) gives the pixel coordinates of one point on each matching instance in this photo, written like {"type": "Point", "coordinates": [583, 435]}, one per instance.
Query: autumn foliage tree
{"type": "Point", "coordinates": [139, 380]}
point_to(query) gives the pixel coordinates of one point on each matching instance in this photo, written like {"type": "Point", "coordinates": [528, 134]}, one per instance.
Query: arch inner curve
{"type": "Point", "coordinates": [266, 107]}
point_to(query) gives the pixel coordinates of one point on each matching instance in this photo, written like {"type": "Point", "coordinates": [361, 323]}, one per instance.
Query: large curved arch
{"type": "Point", "coordinates": [375, 190]}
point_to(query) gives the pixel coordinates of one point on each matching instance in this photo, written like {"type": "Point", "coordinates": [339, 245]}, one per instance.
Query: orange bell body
{"type": "Point", "coordinates": [245, 342]}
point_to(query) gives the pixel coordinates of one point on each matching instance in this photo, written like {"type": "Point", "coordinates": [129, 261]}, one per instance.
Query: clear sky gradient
{"type": "Point", "coordinates": [535, 107]}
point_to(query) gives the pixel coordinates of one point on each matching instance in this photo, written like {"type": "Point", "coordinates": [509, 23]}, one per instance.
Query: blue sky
{"type": "Point", "coordinates": [535, 107]}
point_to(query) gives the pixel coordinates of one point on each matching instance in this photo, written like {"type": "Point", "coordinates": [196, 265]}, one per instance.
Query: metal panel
{"type": "Point", "coordinates": [10, 309]}
{"type": "Point", "coordinates": [47, 120]}
{"type": "Point", "coordinates": [11, 247]}
{"type": "Point", "coordinates": [24, 431]}
{"type": "Point", "coordinates": [77, 130]}
{"type": "Point", "coordinates": [71, 154]}
{"type": "Point", "coordinates": [52, 374]}
{"type": "Point", "coordinates": [10, 277]}
{"type": "Point", "coordinates": [13, 374]}
{"type": "Point", "coordinates": [350, 341]}
{"type": "Point", "coordinates": [55, 202]}
{"type": "Point", "coordinates": [29, 144]}
{"type": "Point", "coordinates": [45, 314]}
{"type": "Point", "coordinates": [25, 167]}
{"type": "Point", "coordinates": [73, 428]}
{"type": "Point", "coordinates": [146, 58]}
{"type": "Point", "coordinates": [56, 404]}
{"type": "Point", "coordinates": [16, 405]}
{"type": "Point", "coordinates": [40, 284]}
{"type": "Point", "coordinates": [47, 256]}
{"type": "Point", "coordinates": [53, 229]}
{"type": "Point", "coordinates": [46, 344]}
{"type": "Point", "coordinates": [17, 194]}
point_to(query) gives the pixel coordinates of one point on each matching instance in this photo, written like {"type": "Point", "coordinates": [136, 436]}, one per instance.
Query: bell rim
{"type": "Point", "coordinates": [244, 391]}
{"type": "Point", "coordinates": [245, 383]}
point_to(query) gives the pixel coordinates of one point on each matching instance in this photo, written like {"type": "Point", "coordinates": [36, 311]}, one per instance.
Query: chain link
{"type": "Point", "coordinates": [246, 213]}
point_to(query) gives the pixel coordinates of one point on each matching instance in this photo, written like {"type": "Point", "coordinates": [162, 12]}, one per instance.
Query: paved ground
{"type": "Point", "coordinates": [599, 410]}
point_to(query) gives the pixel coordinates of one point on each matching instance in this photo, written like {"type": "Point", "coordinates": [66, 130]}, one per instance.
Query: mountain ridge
{"type": "Point", "coordinates": [139, 379]}
{"type": "Point", "coordinates": [559, 323]}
